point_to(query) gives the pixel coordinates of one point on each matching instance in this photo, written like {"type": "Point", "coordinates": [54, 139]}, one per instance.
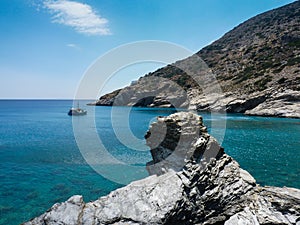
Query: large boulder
{"type": "Point", "coordinates": [192, 182]}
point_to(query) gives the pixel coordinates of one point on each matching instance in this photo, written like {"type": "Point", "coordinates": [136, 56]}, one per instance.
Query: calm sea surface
{"type": "Point", "coordinates": [40, 163]}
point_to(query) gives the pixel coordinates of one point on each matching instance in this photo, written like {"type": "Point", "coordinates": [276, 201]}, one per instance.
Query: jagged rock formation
{"type": "Point", "coordinates": [251, 62]}
{"type": "Point", "coordinates": [205, 186]}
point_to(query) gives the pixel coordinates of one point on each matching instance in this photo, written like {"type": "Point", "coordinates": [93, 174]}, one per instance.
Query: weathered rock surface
{"type": "Point", "coordinates": [251, 62]}
{"type": "Point", "coordinates": [282, 103]}
{"type": "Point", "coordinates": [205, 186]}
{"type": "Point", "coordinates": [177, 139]}
{"type": "Point", "coordinates": [271, 102]}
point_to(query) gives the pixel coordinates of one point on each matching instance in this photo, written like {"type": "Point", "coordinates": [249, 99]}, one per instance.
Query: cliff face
{"type": "Point", "coordinates": [254, 64]}
{"type": "Point", "coordinates": [192, 182]}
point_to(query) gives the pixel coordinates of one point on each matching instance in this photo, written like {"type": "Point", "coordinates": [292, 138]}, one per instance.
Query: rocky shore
{"type": "Point", "coordinates": [271, 102]}
{"type": "Point", "coordinates": [256, 65]}
{"type": "Point", "coordinates": [192, 181]}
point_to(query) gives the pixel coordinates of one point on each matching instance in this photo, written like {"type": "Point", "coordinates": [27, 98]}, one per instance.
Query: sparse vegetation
{"type": "Point", "coordinates": [251, 57]}
{"type": "Point", "coordinates": [294, 43]}
{"type": "Point", "coordinates": [293, 61]}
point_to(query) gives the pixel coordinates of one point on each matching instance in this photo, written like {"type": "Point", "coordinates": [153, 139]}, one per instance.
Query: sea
{"type": "Point", "coordinates": [47, 156]}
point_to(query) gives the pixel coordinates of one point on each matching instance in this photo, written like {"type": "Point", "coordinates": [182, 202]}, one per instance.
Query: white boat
{"type": "Point", "coordinates": [77, 111]}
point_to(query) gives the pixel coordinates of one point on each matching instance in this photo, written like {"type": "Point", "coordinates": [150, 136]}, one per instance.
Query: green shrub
{"type": "Point", "coordinates": [294, 43]}
{"type": "Point", "coordinates": [293, 61]}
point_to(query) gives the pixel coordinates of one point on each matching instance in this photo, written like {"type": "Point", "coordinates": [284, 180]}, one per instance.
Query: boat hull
{"type": "Point", "coordinates": [73, 112]}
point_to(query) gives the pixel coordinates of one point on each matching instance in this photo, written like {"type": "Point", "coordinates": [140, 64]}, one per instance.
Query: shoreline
{"type": "Point", "coordinates": [202, 111]}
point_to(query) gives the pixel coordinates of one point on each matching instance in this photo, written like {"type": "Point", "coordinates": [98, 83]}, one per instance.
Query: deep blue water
{"type": "Point", "coordinates": [40, 163]}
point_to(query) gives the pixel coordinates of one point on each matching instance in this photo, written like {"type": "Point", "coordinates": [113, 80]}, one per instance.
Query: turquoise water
{"type": "Point", "coordinates": [40, 163]}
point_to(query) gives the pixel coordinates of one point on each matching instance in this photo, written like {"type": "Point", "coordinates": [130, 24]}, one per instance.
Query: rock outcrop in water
{"type": "Point", "coordinates": [254, 64]}
{"type": "Point", "coordinates": [192, 182]}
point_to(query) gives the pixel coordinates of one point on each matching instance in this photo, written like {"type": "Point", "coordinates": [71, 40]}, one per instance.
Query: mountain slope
{"type": "Point", "coordinates": [262, 52]}
{"type": "Point", "coordinates": [257, 65]}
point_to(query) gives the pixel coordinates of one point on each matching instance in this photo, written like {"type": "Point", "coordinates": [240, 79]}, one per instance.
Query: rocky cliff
{"type": "Point", "coordinates": [257, 65]}
{"type": "Point", "coordinates": [192, 182]}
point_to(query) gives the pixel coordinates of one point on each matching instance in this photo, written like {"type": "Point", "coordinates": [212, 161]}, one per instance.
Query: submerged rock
{"type": "Point", "coordinates": [192, 182]}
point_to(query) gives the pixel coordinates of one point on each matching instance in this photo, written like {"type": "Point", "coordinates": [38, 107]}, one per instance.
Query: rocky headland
{"type": "Point", "coordinates": [256, 65]}
{"type": "Point", "coordinates": [192, 181]}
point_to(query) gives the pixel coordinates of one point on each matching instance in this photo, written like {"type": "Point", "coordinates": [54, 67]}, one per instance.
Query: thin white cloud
{"type": "Point", "coordinates": [79, 16]}
{"type": "Point", "coordinates": [73, 46]}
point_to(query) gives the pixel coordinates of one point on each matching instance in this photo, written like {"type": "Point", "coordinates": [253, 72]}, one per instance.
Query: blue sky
{"type": "Point", "coordinates": [47, 45]}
